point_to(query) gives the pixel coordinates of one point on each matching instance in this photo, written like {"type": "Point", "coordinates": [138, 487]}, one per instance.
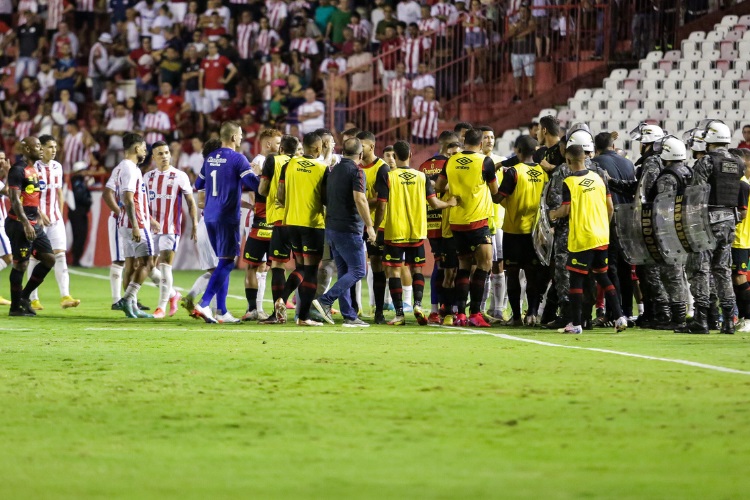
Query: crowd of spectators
{"type": "Point", "coordinates": [87, 71]}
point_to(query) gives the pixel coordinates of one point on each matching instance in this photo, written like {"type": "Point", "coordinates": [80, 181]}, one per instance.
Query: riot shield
{"type": "Point", "coordinates": [543, 234]}
{"type": "Point", "coordinates": [665, 230]}
{"type": "Point", "coordinates": [635, 232]}
{"type": "Point", "coordinates": [691, 219]}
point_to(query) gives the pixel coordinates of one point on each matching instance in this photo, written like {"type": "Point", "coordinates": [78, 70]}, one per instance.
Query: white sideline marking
{"type": "Point", "coordinates": [694, 364]}
{"type": "Point", "coordinates": [218, 328]}
{"type": "Point", "coordinates": [148, 283]}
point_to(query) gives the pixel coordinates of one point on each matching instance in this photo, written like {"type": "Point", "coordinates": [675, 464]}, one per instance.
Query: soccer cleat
{"type": "Point", "coordinates": [361, 314]}
{"type": "Point", "coordinates": [334, 311]}
{"type": "Point", "coordinates": [448, 320]}
{"type": "Point", "coordinates": [174, 303]}
{"type": "Point", "coordinates": [570, 328]}
{"type": "Point", "coordinates": [324, 310]}
{"type": "Point", "coordinates": [459, 320]}
{"type": "Point", "coordinates": [142, 315]}
{"type": "Point", "coordinates": [513, 321]}
{"type": "Point", "coordinates": [189, 304]}
{"type": "Point", "coordinates": [227, 318]}
{"type": "Point", "coordinates": [388, 306]}
{"type": "Point", "coordinates": [744, 327]}
{"type": "Point", "coordinates": [397, 321]}
{"type": "Point", "coordinates": [313, 315]}
{"type": "Point", "coordinates": [478, 321]}
{"type": "Point", "coordinates": [308, 322]}
{"type": "Point", "coordinates": [530, 320]}
{"type": "Point", "coordinates": [128, 308]}
{"type": "Point", "coordinates": [280, 308]}
{"type": "Point", "coordinates": [434, 319]}
{"type": "Point", "coordinates": [355, 323]}
{"type": "Point", "coordinates": [251, 316]}
{"type": "Point", "coordinates": [4, 302]}
{"type": "Point", "coordinates": [204, 313]}
{"type": "Point", "coordinates": [621, 324]}
{"type": "Point", "coordinates": [142, 307]}
{"type": "Point", "coordinates": [290, 305]}
{"type": "Point", "coordinates": [270, 320]}
{"type": "Point", "coordinates": [37, 305]}
{"type": "Point", "coordinates": [489, 319]}
{"type": "Point", "coordinates": [408, 308]}
{"type": "Point", "coordinates": [262, 316]}
{"type": "Point", "coordinates": [159, 313]}
{"type": "Point", "coordinates": [380, 319]}
{"type": "Point", "coordinates": [419, 314]}
{"type": "Point", "coordinates": [20, 311]}
{"type": "Point", "coordinates": [68, 302]}
{"type": "Point", "coordinates": [26, 306]}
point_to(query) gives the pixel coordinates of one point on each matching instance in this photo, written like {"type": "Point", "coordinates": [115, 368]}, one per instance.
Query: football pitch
{"type": "Point", "coordinates": [94, 405]}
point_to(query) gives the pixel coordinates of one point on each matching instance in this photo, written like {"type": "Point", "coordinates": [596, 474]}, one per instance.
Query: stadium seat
{"type": "Point", "coordinates": [670, 104]}
{"type": "Point", "coordinates": [729, 20]}
{"type": "Point", "coordinates": [707, 106]}
{"type": "Point", "coordinates": [584, 115]}
{"type": "Point", "coordinates": [686, 65]}
{"type": "Point", "coordinates": [672, 55]}
{"type": "Point", "coordinates": [670, 125]}
{"type": "Point", "coordinates": [744, 20]}
{"type": "Point", "coordinates": [740, 64]}
{"type": "Point", "coordinates": [703, 65]}
{"type": "Point", "coordinates": [595, 104]}
{"type": "Point", "coordinates": [583, 94]}
{"type": "Point", "coordinates": [728, 104]}
{"type": "Point", "coordinates": [672, 85]}
{"type": "Point", "coordinates": [733, 36]}
{"type": "Point", "coordinates": [707, 47]}
{"type": "Point", "coordinates": [724, 64]}
{"type": "Point", "coordinates": [713, 74]}
{"type": "Point", "coordinates": [715, 36]}
{"type": "Point", "coordinates": [728, 84]}
{"type": "Point", "coordinates": [658, 114]}
{"type": "Point", "coordinates": [655, 55]}
{"type": "Point", "coordinates": [602, 114]}
{"type": "Point", "coordinates": [640, 115]}
{"type": "Point", "coordinates": [601, 94]}
{"type": "Point", "coordinates": [595, 126]}
{"type": "Point", "coordinates": [692, 55]}
{"type": "Point", "coordinates": [650, 105]}
{"type": "Point", "coordinates": [622, 94]}
{"type": "Point", "coordinates": [619, 115]}
{"type": "Point", "coordinates": [689, 46]}
{"type": "Point", "coordinates": [565, 115]}
{"type": "Point", "coordinates": [614, 104]}
{"type": "Point", "coordinates": [611, 84]}
{"type": "Point", "coordinates": [677, 74]}
{"type": "Point", "coordinates": [743, 47]}
{"type": "Point", "coordinates": [666, 66]}
{"type": "Point", "coordinates": [648, 85]}
{"type": "Point", "coordinates": [691, 102]}
{"type": "Point", "coordinates": [577, 104]}
{"type": "Point", "coordinates": [657, 95]}
{"type": "Point", "coordinates": [711, 54]}
{"type": "Point", "coordinates": [735, 114]}
{"type": "Point", "coordinates": [696, 115]}
{"type": "Point", "coordinates": [697, 36]}
{"type": "Point", "coordinates": [548, 111]}
{"type": "Point", "coordinates": [676, 95]}
{"type": "Point", "coordinates": [677, 114]}
{"type": "Point", "coordinates": [618, 74]}
{"type": "Point", "coordinates": [708, 86]}
{"type": "Point", "coordinates": [733, 95]}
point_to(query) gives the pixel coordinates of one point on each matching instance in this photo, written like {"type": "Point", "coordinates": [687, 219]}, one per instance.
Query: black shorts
{"type": "Point", "coordinates": [594, 260]}
{"type": "Point", "coordinates": [436, 247]}
{"type": "Point", "coordinates": [306, 241]}
{"type": "Point", "coordinates": [23, 249]}
{"type": "Point", "coordinates": [376, 249]}
{"type": "Point", "coordinates": [518, 250]}
{"type": "Point", "coordinates": [449, 256]}
{"type": "Point", "coordinates": [740, 257]}
{"type": "Point", "coordinates": [412, 256]}
{"type": "Point", "coordinates": [256, 251]}
{"type": "Point", "coordinates": [468, 241]}
{"type": "Point", "coordinates": [280, 248]}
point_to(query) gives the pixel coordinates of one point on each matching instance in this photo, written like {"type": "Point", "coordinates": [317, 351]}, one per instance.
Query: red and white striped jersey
{"type": "Point", "coordinates": [277, 12]}
{"type": "Point", "coordinates": [246, 34]}
{"type": "Point", "coordinates": [50, 180]}
{"type": "Point", "coordinates": [64, 108]}
{"type": "Point", "coordinates": [23, 129]}
{"type": "Point", "coordinates": [270, 72]}
{"type": "Point", "coordinates": [190, 21]}
{"type": "Point", "coordinates": [305, 46]}
{"type": "Point", "coordinates": [74, 150]}
{"type": "Point", "coordinates": [426, 114]}
{"type": "Point", "coordinates": [54, 13]}
{"type": "Point", "coordinates": [239, 2]}
{"type": "Point", "coordinates": [361, 30]}
{"type": "Point", "coordinates": [30, 5]}
{"type": "Point", "coordinates": [298, 5]}
{"type": "Point", "coordinates": [265, 40]}
{"type": "Point", "coordinates": [430, 25]}
{"type": "Point", "coordinates": [85, 6]}
{"type": "Point", "coordinates": [398, 88]}
{"type": "Point", "coordinates": [165, 192]}
{"type": "Point", "coordinates": [159, 121]}
{"type": "Point", "coordinates": [447, 10]}
{"type": "Point", "coordinates": [415, 52]}
{"type": "Point", "coordinates": [473, 18]}
{"type": "Point", "coordinates": [130, 179]}
{"type": "Point", "coordinates": [113, 183]}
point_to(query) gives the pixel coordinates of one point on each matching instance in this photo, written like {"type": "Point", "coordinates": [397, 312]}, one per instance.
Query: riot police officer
{"type": "Point", "coordinates": [721, 171]}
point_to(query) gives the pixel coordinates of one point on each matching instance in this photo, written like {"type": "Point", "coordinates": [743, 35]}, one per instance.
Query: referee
{"type": "Point", "coordinates": [347, 216]}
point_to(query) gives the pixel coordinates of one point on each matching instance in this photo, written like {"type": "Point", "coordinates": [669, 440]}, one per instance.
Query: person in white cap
{"type": "Point", "coordinates": [99, 67]}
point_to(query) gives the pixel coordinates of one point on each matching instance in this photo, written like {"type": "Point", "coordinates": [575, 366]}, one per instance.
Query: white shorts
{"type": "Point", "coordinates": [497, 246]}
{"type": "Point", "coordinates": [178, 11]}
{"type": "Point", "coordinates": [194, 99]}
{"type": "Point", "coordinates": [206, 254]}
{"type": "Point", "coordinates": [166, 242]}
{"type": "Point", "coordinates": [116, 252]}
{"type": "Point", "coordinates": [211, 99]}
{"type": "Point", "coordinates": [143, 248]}
{"type": "Point", "coordinates": [56, 235]}
{"type": "Point", "coordinates": [4, 241]}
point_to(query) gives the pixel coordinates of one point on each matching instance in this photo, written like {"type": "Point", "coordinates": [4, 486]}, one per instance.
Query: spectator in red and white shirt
{"type": "Point", "coordinates": [224, 12]}
{"type": "Point", "coordinates": [62, 37]}
{"type": "Point", "coordinates": [304, 45]}
{"type": "Point", "coordinates": [361, 28]}
{"type": "Point", "coordinates": [247, 31]}
{"type": "Point", "coordinates": [416, 50]}
{"type": "Point", "coordinates": [22, 124]}
{"type": "Point", "coordinates": [399, 89]}
{"type": "Point", "coordinates": [429, 24]}
{"type": "Point", "coordinates": [65, 106]}
{"type": "Point", "coordinates": [74, 147]}
{"type": "Point", "coordinates": [214, 77]}
{"type": "Point", "coordinates": [267, 39]}
{"type": "Point", "coordinates": [422, 80]}
{"type": "Point", "coordinates": [408, 11]}
{"type": "Point", "coordinates": [143, 61]}
{"type": "Point", "coordinates": [214, 29]}
{"type": "Point", "coordinates": [390, 48]}
{"type": "Point", "coordinates": [445, 12]}
{"type": "Point", "coordinates": [155, 124]}
{"type": "Point", "coordinates": [273, 70]}
{"type": "Point", "coordinates": [426, 113]}
{"type": "Point", "coordinates": [277, 12]}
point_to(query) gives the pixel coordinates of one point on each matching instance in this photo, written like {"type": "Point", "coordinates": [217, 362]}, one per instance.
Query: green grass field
{"type": "Point", "coordinates": [96, 405]}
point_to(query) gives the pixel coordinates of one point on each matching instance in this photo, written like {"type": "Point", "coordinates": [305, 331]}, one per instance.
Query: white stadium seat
{"type": "Point", "coordinates": [728, 84]}
{"type": "Point", "coordinates": [611, 84]}
{"type": "Point", "coordinates": [640, 115]}
{"type": "Point", "coordinates": [619, 115]}
{"type": "Point", "coordinates": [672, 55]}
{"type": "Point", "coordinates": [729, 20]}
{"type": "Point", "coordinates": [671, 104]}
{"type": "Point", "coordinates": [708, 86]}
{"type": "Point", "coordinates": [584, 116]}
{"type": "Point", "coordinates": [657, 95]}
{"type": "Point", "coordinates": [601, 94]}
{"type": "Point", "coordinates": [670, 125]}
{"type": "Point", "coordinates": [744, 46]}
{"type": "Point", "coordinates": [677, 74]}
{"type": "Point", "coordinates": [677, 114]}
{"type": "Point", "coordinates": [696, 115]}
{"type": "Point", "coordinates": [645, 65]}
{"type": "Point", "coordinates": [711, 54]}
{"type": "Point", "coordinates": [576, 104]}
{"type": "Point", "coordinates": [735, 114]}
{"type": "Point", "coordinates": [658, 114]}
{"type": "Point", "coordinates": [692, 55]}
{"type": "Point", "coordinates": [583, 94]}
{"type": "Point", "coordinates": [697, 36]}
{"type": "Point", "coordinates": [640, 94]}
{"type": "Point", "coordinates": [622, 94]}
{"type": "Point", "coordinates": [744, 20]}
{"type": "Point", "coordinates": [602, 115]}
{"type": "Point", "coordinates": [687, 65]}
{"type": "Point", "coordinates": [614, 104]}
{"type": "Point", "coordinates": [734, 95]}
{"type": "Point", "coordinates": [672, 85]}
{"type": "Point", "coordinates": [706, 47]}
{"type": "Point", "coordinates": [655, 55]}
{"type": "Point", "coordinates": [715, 36]}
{"type": "Point", "coordinates": [548, 111]}
{"type": "Point", "coordinates": [727, 104]}
{"type": "Point", "coordinates": [713, 74]}
{"type": "Point", "coordinates": [618, 74]}
{"type": "Point", "coordinates": [676, 95]}
{"type": "Point", "coordinates": [648, 85]}
{"type": "Point", "coordinates": [704, 65]}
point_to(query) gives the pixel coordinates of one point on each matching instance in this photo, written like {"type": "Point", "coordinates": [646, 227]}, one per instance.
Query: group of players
{"type": "Point", "coordinates": [540, 220]}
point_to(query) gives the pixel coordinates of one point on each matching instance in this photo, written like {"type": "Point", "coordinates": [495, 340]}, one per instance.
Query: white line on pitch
{"type": "Point", "coordinates": [216, 328]}
{"type": "Point", "coordinates": [469, 331]}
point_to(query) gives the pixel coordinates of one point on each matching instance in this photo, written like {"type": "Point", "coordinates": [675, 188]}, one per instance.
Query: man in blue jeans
{"type": "Point", "coordinates": [347, 218]}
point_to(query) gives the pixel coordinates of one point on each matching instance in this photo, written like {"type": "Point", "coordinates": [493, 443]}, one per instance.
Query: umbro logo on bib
{"type": "Point", "coordinates": [586, 182]}
{"type": "Point", "coordinates": [463, 160]}
{"type": "Point", "coordinates": [534, 173]}
{"type": "Point", "coordinates": [407, 176]}
{"type": "Point", "coordinates": [305, 164]}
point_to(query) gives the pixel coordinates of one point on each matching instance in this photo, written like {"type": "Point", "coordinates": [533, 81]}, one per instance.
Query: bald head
{"type": "Point", "coordinates": [353, 149]}
{"type": "Point", "coordinates": [32, 148]}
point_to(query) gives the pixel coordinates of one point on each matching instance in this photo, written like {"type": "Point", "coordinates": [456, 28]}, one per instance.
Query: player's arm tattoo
{"type": "Point", "coordinates": [17, 204]}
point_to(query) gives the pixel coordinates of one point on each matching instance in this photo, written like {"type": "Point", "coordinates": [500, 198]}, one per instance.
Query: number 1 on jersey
{"type": "Point", "coordinates": [214, 189]}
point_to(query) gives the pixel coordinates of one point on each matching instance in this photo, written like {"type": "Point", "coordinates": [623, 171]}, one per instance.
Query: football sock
{"type": "Point", "coordinates": [165, 284]}
{"type": "Point", "coordinates": [115, 282]}
{"type": "Point", "coordinates": [478, 282]}
{"type": "Point", "coordinates": [278, 282]}
{"type": "Point", "coordinates": [378, 288]}
{"type": "Point", "coordinates": [261, 290]}
{"type": "Point", "coordinates": [293, 282]}
{"type": "Point", "coordinates": [200, 285]}
{"type": "Point", "coordinates": [307, 291]}
{"type": "Point", "coordinates": [252, 299]}
{"type": "Point", "coordinates": [418, 286]}
{"type": "Point", "coordinates": [40, 272]}
{"type": "Point", "coordinates": [16, 286]}
{"type": "Point", "coordinates": [218, 283]}
{"type": "Point", "coordinates": [61, 274]}
{"type": "Point", "coordinates": [462, 289]}
{"type": "Point", "coordinates": [408, 293]}
{"type": "Point", "coordinates": [394, 284]}
{"type": "Point", "coordinates": [29, 271]}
